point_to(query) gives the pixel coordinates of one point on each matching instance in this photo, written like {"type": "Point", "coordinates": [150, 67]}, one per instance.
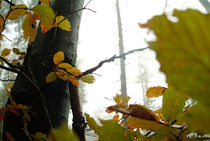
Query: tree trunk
{"type": "Point", "coordinates": [50, 103]}
{"type": "Point", "coordinates": [121, 51]}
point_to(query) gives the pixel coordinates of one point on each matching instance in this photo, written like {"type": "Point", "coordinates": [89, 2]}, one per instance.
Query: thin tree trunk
{"type": "Point", "coordinates": [50, 102]}
{"type": "Point", "coordinates": [121, 51]}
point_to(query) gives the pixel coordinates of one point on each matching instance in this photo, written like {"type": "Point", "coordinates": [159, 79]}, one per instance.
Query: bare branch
{"type": "Point", "coordinates": [9, 2]}
{"type": "Point", "coordinates": [89, 71]}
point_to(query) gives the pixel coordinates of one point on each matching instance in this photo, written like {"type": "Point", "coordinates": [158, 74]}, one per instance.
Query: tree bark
{"type": "Point", "coordinates": [50, 102]}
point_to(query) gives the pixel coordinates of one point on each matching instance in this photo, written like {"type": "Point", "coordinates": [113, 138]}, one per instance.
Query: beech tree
{"type": "Point", "coordinates": [49, 102]}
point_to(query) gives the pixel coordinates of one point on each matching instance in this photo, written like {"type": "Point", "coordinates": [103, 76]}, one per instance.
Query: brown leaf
{"type": "Point", "coordinates": [155, 91]}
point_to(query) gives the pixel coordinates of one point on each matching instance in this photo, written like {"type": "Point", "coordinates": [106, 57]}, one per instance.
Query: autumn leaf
{"type": "Point", "coordinates": [143, 124]}
{"type": "Point", "coordinates": [5, 52]}
{"type": "Point", "coordinates": [17, 11]}
{"type": "Point", "coordinates": [51, 77]}
{"type": "Point", "coordinates": [118, 99]}
{"type": "Point", "coordinates": [92, 123]}
{"type": "Point", "coordinates": [45, 2]}
{"type": "Point", "coordinates": [74, 71]}
{"type": "Point", "coordinates": [62, 133]}
{"type": "Point", "coordinates": [183, 51]}
{"type": "Point", "coordinates": [10, 137]}
{"type": "Point", "coordinates": [1, 22]}
{"type": "Point", "coordinates": [29, 27]}
{"type": "Point", "coordinates": [44, 28]}
{"type": "Point", "coordinates": [126, 99]}
{"type": "Point", "coordinates": [173, 104]}
{"type": "Point", "coordinates": [116, 118]}
{"type": "Point", "coordinates": [58, 57]}
{"type": "Point", "coordinates": [40, 136]}
{"type": "Point", "coordinates": [155, 91]}
{"type": "Point", "coordinates": [65, 65]}
{"type": "Point", "coordinates": [88, 79]}
{"type": "Point", "coordinates": [16, 51]}
{"type": "Point", "coordinates": [73, 80]}
{"type": "Point", "coordinates": [63, 23]}
{"type": "Point", "coordinates": [45, 13]}
{"type": "Point", "coordinates": [135, 110]}
{"type": "Point", "coordinates": [62, 75]}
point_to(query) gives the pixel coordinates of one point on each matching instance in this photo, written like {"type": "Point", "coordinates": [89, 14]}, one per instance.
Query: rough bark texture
{"type": "Point", "coordinates": [50, 102]}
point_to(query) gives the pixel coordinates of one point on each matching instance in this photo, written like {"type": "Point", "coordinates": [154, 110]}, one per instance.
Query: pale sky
{"type": "Point", "coordinates": [99, 41]}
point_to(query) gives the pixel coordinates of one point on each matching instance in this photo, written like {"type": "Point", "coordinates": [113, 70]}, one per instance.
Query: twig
{"type": "Point", "coordinates": [9, 2]}
{"type": "Point", "coordinates": [165, 6]}
{"type": "Point", "coordinates": [89, 71]}
{"type": "Point", "coordinates": [7, 79]}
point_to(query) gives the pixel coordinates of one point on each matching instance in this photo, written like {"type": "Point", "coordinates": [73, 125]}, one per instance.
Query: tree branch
{"type": "Point", "coordinates": [9, 2]}
{"type": "Point", "coordinates": [89, 71]}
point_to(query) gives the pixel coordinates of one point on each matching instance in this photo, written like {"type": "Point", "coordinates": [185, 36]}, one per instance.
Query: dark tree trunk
{"type": "Point", "coordinates": [50, 102]}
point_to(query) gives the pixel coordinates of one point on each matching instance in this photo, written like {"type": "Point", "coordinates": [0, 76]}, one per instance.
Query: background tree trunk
{"type": "Point", "coordinates": [50, 102]}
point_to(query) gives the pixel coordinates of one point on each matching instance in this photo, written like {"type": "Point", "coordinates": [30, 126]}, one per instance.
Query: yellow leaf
{"type": "Point", "coordinates": [88, 79]}
{"type": "Point", "coordinates": [45, 13]}
{"type": "Point", "coordinates": [40, 136]}
{"type": "Point", "coordinates": [63, 23]}
{"type": "Point", "coordinates": [126, 99]}
{"type": "Point", "coordinates": [143, 124]}
{"type": "Point", "coordinates": [5, 52]}
{"type": "Point", "coordinates": [62, 75]}
{"type": "Point", "coordinates": [64, 65]}
{"type": "Point", "coordinates": [74, 80]}
{"type": "Point", "coordinates": [51, 77]}
{"type": "Point", "coordinates": [17, 11]}
{"type": "Point", "coordinates": [118, 99]}
{"type": "Point", "coordinates": [9, 85]}
{"type": "Point", "coordinates": [58, 57]}
{"type": "Point", "coordinates": [29, 27]}
{"type": "Point", "coordinates": [74, 71]}
{"type": "Point", "coordinates": [155, 91]}
{"type": "Point", "coordinates": [45, 2]}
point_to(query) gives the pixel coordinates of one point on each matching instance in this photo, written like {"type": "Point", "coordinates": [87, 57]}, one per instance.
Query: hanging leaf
{"type": "Point", "coordinates": [29, 27]}
{"type": "Point", "coordinates": [62, 133]}
{"type": "Point", "coordinates": [135, 110]}
{"type": "Point", "coordinates": [17, 11]}
{"type": "Point", "coordinates": [51, 77]}
{"type": "Point", "coordinates": [45, 13]}
{"type": "Point", "coordinates": [173, 104]}
{"type": "Point", "coordinates": [155, 91]}
{"type": "Point", "coordinates": [65, 65]}
{"type": "Point", "coordinates": [45, 2]}
{"type": "Point", "coordinates": [58, 57]}
{"type": "Point", "coordinates": [143, 124]}
{"type": "Point", "coordinates": [183, 51]}
{"type": "Point", "coordinates": [5, 52]}
{"type": "Point", "coordinates": [16, 51]}
{"type": "Point", "coordinates": [88, 79]}
{"type": "Point", "coordinates": [74, 71]}
{"type": "Point", "coordinates": [63, 23]}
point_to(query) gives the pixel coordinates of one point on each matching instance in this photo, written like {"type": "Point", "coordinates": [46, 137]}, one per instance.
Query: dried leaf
{"type": "Point", "coordinates": [16, 51]}
{"type": "Point", "coordinates": [155, 91]}
{"type": "Point", "coordinates": [5, 52]}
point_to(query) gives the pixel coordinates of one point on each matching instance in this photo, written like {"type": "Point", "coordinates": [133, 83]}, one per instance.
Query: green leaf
{"type": "Point", "coordinates": [173, 104]}
{"type": "Point", "coordinates": [63, 23]}
{"type": "Point", "coordinates": [62, 134]}
{"type": "Point", "coordinates": [51, 77]}
{"type": "Point", "coordinates": [92, 123]}
{"type": "Point", "coordinates": [88, 79]}
{"type": "Point", "coordinates": [5, 52]}
{"type": "Point", "coordinates": [198, 118]}
{"type": "Point", "coordinates": [112, 131]}
{"type": "Point", "coordinates": [182, 49]}
{"type": "Point", "coordinates": [45, 13]}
